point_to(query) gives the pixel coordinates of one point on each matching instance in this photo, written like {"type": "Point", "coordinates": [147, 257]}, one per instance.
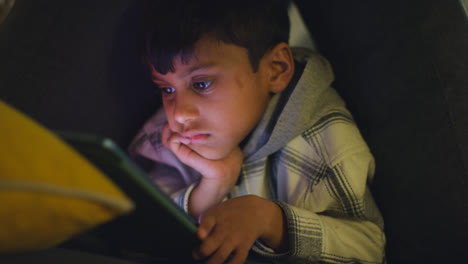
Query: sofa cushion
{"type": "Point", "coordinates": [48, 191]}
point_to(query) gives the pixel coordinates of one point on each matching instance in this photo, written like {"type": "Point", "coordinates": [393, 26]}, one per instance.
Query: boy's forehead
{"type": "Point", "coordinates": [207, 53]}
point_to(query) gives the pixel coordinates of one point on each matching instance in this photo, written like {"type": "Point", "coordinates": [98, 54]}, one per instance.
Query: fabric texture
{"type": "Point", "coordinates": [48, 192]}
{"type": "Point", "coordinates": [308, 156]}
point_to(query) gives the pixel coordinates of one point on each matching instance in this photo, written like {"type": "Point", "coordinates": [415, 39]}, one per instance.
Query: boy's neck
{"type": "Point", "coordinates": [299, 69]}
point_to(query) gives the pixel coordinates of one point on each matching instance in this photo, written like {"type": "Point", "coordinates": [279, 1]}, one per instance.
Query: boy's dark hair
{"type": "Point", "coordinates": [172, 27]}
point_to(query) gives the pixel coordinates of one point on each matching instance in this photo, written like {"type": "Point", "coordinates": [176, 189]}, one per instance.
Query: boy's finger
{"type": "Point", "coordinates": [205, 227]}
{"type": "Point", "coordinates": [165, 135]}
{"type": "Point", "coordinates": [221, 254]}
{"type": "Point", "coordinates": [189, 157]}
{"type": "Point", "coordinates": [186, 155]}
{"type": "Point", "coordinates": [168, 137]}
{"type": "Point", "coordinates": [212, 238]}
{"type": "Point", "coordinates": [178, 145]}
{"type": "Point", "coordinates": [207, 248]}
{"type": "Point", "coordinates": [238, 257]}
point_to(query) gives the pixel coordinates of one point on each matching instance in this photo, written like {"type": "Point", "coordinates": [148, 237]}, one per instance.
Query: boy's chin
{"type": "Point", "coordinates": [212, 153]}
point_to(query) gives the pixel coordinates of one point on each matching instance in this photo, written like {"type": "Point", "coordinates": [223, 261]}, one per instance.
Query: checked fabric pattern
{"type": "Point", "coordinates": [320, 180]}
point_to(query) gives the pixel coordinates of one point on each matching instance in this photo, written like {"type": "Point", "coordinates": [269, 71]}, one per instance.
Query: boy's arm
{"type": "Point", "coordinates": [331, 215]}
{"type": "Point", "coordinates": [352, 235]}
{"type": "Point", "coordinates": [233, 226]}
{"type": "Point", "coordinates": [218, 176]}
{"type": "Point", "coordinates": [334, 239]}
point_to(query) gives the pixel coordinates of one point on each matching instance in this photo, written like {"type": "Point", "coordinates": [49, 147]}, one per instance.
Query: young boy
{"type": "Point", "coordinates": [252, 141]}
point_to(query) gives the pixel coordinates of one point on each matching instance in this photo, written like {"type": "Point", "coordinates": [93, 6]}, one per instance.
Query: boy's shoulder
{"type": "Point", "coordinates": [296, 109]}
{"type": "Point", "coordinates": [335, 136]}
{"type": "Point", "coordinates": [313, 112]}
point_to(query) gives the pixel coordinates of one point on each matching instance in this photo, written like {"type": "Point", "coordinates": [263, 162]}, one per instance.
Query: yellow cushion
{"type": "Point", "coordinates": [48, 192]}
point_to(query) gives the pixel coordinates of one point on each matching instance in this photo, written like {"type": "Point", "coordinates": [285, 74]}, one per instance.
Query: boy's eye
{"type": "Point", "coordinates": [201, 85]}
{"type": "Point", "coordinates": [168, 90]}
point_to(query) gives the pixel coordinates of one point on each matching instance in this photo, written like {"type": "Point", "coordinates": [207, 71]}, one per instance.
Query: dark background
{"type": "Point", "coordinates": [400, 65]}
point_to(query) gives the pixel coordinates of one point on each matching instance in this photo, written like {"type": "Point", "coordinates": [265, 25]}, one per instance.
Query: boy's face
{"type": "Point", "coordinates": [215, 99]}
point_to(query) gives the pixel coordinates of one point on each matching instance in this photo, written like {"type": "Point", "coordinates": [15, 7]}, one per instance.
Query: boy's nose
{"type": "Point", "coordinates": [185, 111]}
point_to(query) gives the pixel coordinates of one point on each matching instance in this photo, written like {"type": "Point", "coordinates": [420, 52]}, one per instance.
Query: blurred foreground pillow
{"type": "Point", "coordinates": [48, 192]}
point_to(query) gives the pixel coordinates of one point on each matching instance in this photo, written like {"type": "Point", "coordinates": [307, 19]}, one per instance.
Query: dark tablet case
{"type": "Point", "coordinates": [158, 229]}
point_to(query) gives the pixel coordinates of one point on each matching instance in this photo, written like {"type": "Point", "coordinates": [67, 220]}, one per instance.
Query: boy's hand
{"type": "Point", "coordinates": [230, 229]}
{"type": "Point", "coordinates": [218, 176]}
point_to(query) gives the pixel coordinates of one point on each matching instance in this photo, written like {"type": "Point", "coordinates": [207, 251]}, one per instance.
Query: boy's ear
{"type": "Point", "coordinates": [279, 63]}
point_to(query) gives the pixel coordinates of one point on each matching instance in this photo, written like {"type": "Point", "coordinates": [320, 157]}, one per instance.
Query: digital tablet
{"type": "Point", "coordinates": [158, 229]}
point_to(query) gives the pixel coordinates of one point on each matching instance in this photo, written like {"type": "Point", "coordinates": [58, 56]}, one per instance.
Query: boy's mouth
{"type": "Point", "coordinates": [198, 138]}
{"type": "Point", "coordinates": [195, 138]}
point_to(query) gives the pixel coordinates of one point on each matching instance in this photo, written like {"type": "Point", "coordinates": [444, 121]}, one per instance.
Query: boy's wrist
{"type": "Point", "coordinates": [275, 234]}
{"type": "Point", "coordinates": [205, 195]}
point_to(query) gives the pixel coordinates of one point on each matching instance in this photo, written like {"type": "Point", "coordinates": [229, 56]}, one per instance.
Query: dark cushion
{"type": "Point", "coordinates": [73, 65]}
{"type": "Point", "coordinates": [402, 68]}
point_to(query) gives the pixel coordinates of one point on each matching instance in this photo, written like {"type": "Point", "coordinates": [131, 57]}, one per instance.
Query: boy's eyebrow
{"type": "Point", "coordinates": [199, 67]}
{"type": "Point", "coordinates": [188, 71]}
{"type": "Point", "coordinates": [154, 78]}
